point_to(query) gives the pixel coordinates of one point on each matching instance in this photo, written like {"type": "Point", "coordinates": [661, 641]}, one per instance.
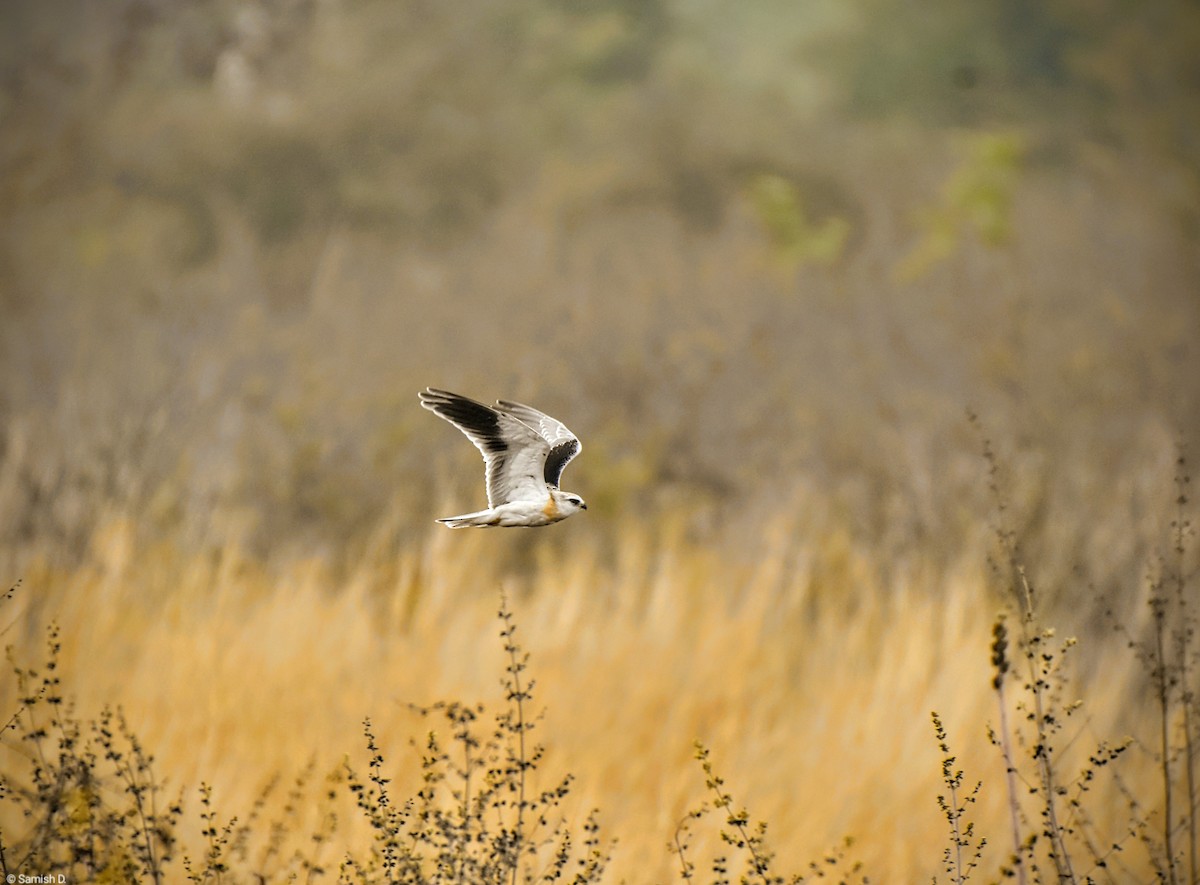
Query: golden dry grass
{"type": "Point", "coordinates": [809, 676]}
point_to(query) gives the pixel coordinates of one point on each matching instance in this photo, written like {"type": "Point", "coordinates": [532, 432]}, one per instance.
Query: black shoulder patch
{"type": "Point", "coordinates": [557, 459]}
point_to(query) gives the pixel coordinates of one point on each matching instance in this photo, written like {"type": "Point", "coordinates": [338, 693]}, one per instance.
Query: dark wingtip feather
{"type": "Point", "coordinates": [466, 414]}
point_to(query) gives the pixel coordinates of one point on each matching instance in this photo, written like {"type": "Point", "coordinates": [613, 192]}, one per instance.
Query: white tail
{"type": "Point", "coordinates": [481, 518]}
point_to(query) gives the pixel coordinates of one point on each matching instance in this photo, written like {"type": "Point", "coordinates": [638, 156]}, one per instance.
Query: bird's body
{"type": "Point", "coordinates": [525, 452]}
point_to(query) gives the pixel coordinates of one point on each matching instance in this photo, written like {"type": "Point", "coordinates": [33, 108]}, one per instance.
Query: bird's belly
{"type": "Point", "coordinates": [527, 513]}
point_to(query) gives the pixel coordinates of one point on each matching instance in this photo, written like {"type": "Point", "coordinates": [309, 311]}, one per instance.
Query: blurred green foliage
{"type": "Point", "coordinates": [796, 238]}
{"type": "Point", "coordinates": [976, 198]}
{"type": "Point", "coordinates": [955, 62]}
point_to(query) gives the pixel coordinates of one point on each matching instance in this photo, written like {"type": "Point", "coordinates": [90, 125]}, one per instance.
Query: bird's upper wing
{"type": "Point", "coordinates": [564, 445]}
{"type": "Point", "coordinates": [514, 452]}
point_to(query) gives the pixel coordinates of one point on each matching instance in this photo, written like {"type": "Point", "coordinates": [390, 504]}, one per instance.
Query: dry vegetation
{"type": "Point", "coordinates": [763, 264]}
{"type": "Point", "coordinates": [808, 675]}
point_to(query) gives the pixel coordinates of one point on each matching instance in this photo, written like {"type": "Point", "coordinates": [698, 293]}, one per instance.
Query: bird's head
{"type": "Point", "coordinates": [568, 502]}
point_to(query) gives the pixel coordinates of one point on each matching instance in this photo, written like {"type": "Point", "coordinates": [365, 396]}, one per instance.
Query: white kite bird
{"type": "Point", "coordinates": [525, 452]}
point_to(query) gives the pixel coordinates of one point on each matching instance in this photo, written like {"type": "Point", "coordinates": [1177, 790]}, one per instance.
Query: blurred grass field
{"type": "Point", "coordinates": [808, 671]}
{"type": "Point", "coordinates": [761, 261]}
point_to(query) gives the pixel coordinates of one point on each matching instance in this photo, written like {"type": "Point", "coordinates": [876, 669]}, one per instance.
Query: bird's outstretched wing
{"type": "Point", "coordinates": [564, 445]}
{"type": "Point", "coordinates": [514, 452]}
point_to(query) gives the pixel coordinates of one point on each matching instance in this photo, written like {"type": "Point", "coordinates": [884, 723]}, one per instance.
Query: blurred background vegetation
{"type": "Point", "coordinates": [739, 248]}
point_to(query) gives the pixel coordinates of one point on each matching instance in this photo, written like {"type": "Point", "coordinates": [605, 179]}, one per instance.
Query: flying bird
{"type": "Point", "coordinates": [524, 451]}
